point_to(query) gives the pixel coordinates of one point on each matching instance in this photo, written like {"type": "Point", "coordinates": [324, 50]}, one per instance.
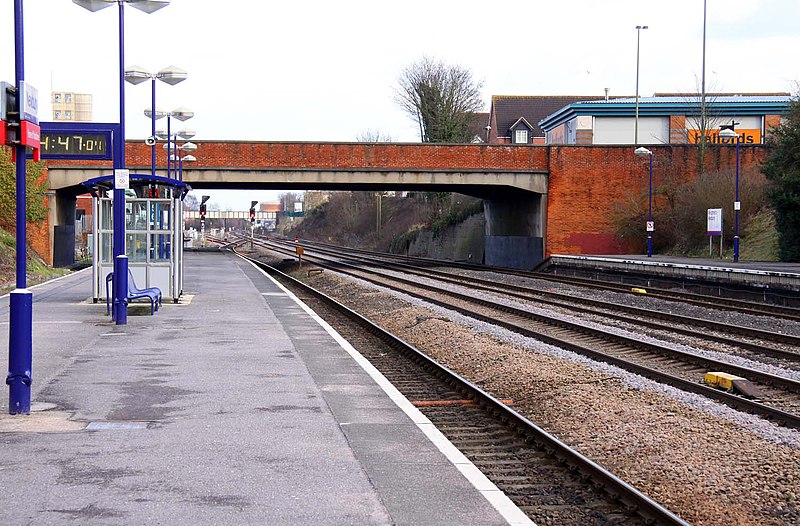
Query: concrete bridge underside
{"type": "Point", "coordinates": [514, 199]}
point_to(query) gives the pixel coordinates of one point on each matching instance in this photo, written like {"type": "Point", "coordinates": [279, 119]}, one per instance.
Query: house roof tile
{"type": "Point", "coordinates": [508, 109]}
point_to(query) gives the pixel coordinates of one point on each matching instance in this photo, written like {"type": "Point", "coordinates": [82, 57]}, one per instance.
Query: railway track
{"type": "Point", "coordinates": [680, 369]}
{"type": "Point", "coordinates": [548, 480]}
{"type": "Point", "coordinates": [748, 338]}
{"type": "Point", "coordinates": [714, 302]}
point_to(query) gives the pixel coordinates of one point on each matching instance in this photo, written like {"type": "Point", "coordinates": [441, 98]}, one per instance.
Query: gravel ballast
{"type": "Point", "coordinates": [706, 462]}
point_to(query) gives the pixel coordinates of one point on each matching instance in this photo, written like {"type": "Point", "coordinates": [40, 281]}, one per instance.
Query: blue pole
{"type": "Point", "coordinates": [169, 147]}
{"type": "Point", "coordinates": [20, 348]}
{"type": "Point", "coordinates": [650, 211]}
{"type": "Point", "coordinates": [153, 125]}
{"type": "Point", "coordinates": [120, 280]}
{"type": "Point", "coordinates": [736, 207]}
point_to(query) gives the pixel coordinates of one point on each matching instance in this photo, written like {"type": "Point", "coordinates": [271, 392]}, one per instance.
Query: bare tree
{"type": "Point", "coordinates": [374, 136]}
{"type": "Point", "coordinates": [440, 98]}
{"type": "Point", "coordinates": [190, 202]}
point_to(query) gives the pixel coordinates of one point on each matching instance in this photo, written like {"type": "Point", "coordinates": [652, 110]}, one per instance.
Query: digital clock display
{"type": "Point", "coordinates": [84, 145]}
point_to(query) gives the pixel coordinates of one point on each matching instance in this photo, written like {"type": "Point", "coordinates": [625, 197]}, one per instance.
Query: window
{"type": "Point", "coordinates": [521, 136]}
{"type": "Point", "coordinates": [68, 97]}
{"type": "Point", "coordinates": [57, 114]}
{"type": "Point", "coordinates": [68, 115]}
{"type": "Point", "coordinates": [57, 97]}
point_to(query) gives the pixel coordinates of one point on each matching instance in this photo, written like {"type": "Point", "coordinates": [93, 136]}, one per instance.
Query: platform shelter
{"type": "Point", "coordinates": [153, 233]}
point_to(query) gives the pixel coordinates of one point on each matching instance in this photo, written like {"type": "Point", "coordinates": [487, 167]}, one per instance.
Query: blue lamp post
{"type": "Point", "coordinates": [636, 118]}
{"type": "Point", "coordinates": [183, 115]}
{"type": "Point", "coordinates": [650, 227]}
{"type": "Point", "coordinates": [727, 131]}
{"type": "Point", "coordinates": [120, 305]}
{"type": "Point", "coordinates": [170, 75]}
{"type": "Point", "coordinates": [20, 341]}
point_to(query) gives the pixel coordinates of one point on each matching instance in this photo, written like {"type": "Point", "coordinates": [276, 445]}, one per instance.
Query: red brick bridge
{"type": "Point", "coordinates": [538, 199]}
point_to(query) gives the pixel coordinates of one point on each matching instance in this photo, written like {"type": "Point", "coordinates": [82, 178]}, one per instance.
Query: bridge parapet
{"type": "Point", "coordinates": [306, 165]}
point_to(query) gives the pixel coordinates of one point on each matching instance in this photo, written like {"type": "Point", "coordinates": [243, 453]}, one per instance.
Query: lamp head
{"type": "Point", "coordinates": [159, 113]}
{"type": "Point", "coordinates": [136, 74]}
{"type": "Point", "coordinates": [94, 5]}
{"type": "Point", "coordinates": [188, 147]}
{"type": "Point", "coordinates": [183, 114]}
{"type": "Point", "coordinates": [641, 151]}
{"type": "Point", "coordinates": [171, 75]}
{"type": "Point", "coordinates": [148, 6]}
{"type": "Point", "coordinates": [727, 133]}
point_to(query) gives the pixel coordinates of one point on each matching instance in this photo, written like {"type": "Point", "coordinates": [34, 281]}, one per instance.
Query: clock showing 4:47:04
{"type": "Point", "coordinates": [84, 145]}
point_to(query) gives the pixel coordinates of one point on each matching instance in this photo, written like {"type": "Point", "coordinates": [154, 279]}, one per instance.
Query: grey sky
{"type": "Point", "coordinates": [321, 70]}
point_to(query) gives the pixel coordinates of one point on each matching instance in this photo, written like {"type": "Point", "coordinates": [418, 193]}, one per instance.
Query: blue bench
{"type": "Point", "coordinates": [134, 292]}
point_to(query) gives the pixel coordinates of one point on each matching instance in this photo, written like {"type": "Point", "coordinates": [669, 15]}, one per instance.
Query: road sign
{"type": "Point", "coordinates": [651, 226]}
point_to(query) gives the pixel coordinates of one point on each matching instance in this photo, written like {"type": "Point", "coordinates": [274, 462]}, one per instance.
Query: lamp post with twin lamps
{"type": "Point", "coordinates": [650, 227]}
{"type": "Point", "coordinates": [727, 131]}
{"type": "Point", "coordinates": [175, 159]}
{"type": "Point", "coordinates": [183, 115]}
{"type": "Point", "coordinates": [170, 75]}
{"type": "Point", "coordinates": [120, 305]}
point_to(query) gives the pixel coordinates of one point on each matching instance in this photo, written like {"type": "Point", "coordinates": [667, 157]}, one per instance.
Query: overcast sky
{"type": "Point", "coordinates": [326, 71]}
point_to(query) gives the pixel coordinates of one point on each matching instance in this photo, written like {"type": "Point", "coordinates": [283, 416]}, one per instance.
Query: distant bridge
{"type": "Point", "coordinates": [229, 214]}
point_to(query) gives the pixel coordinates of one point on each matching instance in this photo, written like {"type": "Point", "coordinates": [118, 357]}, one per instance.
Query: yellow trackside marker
{"type": "Point", "coordinates": [639, 291]}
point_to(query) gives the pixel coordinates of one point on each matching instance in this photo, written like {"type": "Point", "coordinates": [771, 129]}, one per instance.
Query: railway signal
{"type": "Point", "coordinates": [203, 219]}
{"type": "Point", "coordinates": [252, 221]}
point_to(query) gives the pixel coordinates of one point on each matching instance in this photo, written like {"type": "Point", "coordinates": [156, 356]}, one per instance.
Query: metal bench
{"type": "Point", "coordinates": [134, 292]}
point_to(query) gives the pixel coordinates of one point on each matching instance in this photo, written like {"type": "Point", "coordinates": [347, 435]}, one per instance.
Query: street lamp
{"type": "Point", "coordinates": [644, 152]}
{"type": "Point", "coordinates": [120, 309]}
{"type": "Point", "coordinates": [186, 147]}
{"type": "Point", "coordinates": [636, 118]}
{"type": "Point", "coordinates": [727, 131]}
{"type": "Point", "coordinates": [170, 75]}
{"type": "Point", "coordinates": [182, 114]}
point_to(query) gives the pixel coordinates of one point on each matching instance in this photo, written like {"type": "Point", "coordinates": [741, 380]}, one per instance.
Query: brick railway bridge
{"type": "Point", "coordinates": [538, 200]}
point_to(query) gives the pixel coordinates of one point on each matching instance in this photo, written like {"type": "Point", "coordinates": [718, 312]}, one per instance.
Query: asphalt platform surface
{"type": "Point", "coordinates": [235, 406]}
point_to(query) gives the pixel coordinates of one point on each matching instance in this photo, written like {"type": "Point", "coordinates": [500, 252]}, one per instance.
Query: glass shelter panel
{"type": "Point", "coordinates": [136, 248]}
{"type": "Point", "coordinates": [136, 215]}
{"type": "Point", "coordinates": [160, 215]}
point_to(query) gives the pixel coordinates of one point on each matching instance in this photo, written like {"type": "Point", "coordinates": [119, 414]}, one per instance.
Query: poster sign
{"type": "Point", "coordinates": [714, 221]}
{"type": "Point", "coordinates": [121, 179]}
{"type": "Point", "coordinates": [651, 226]}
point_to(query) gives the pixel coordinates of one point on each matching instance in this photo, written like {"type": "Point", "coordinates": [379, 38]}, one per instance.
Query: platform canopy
{"type": "Point", "coordinates": [106, 182]}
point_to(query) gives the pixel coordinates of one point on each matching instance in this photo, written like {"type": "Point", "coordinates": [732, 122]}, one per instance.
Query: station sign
{"type": "Point", "coordinates": [28, 102]}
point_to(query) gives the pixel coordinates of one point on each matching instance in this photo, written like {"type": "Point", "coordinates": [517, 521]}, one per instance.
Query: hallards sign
{"type": "Point", "coordinates": [712, 137]}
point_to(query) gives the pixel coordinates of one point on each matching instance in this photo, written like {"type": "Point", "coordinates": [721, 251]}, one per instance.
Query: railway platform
{"type": "Point", "coordinates": [237, 405]}
{"type": "Point", "coordinates": [755, 274]}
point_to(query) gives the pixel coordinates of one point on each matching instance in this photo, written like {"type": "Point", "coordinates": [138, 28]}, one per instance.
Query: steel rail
{"type": "Point", "coordinates": [747, 307]}
{"type": "Point", "coordinates": [542, 296]}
